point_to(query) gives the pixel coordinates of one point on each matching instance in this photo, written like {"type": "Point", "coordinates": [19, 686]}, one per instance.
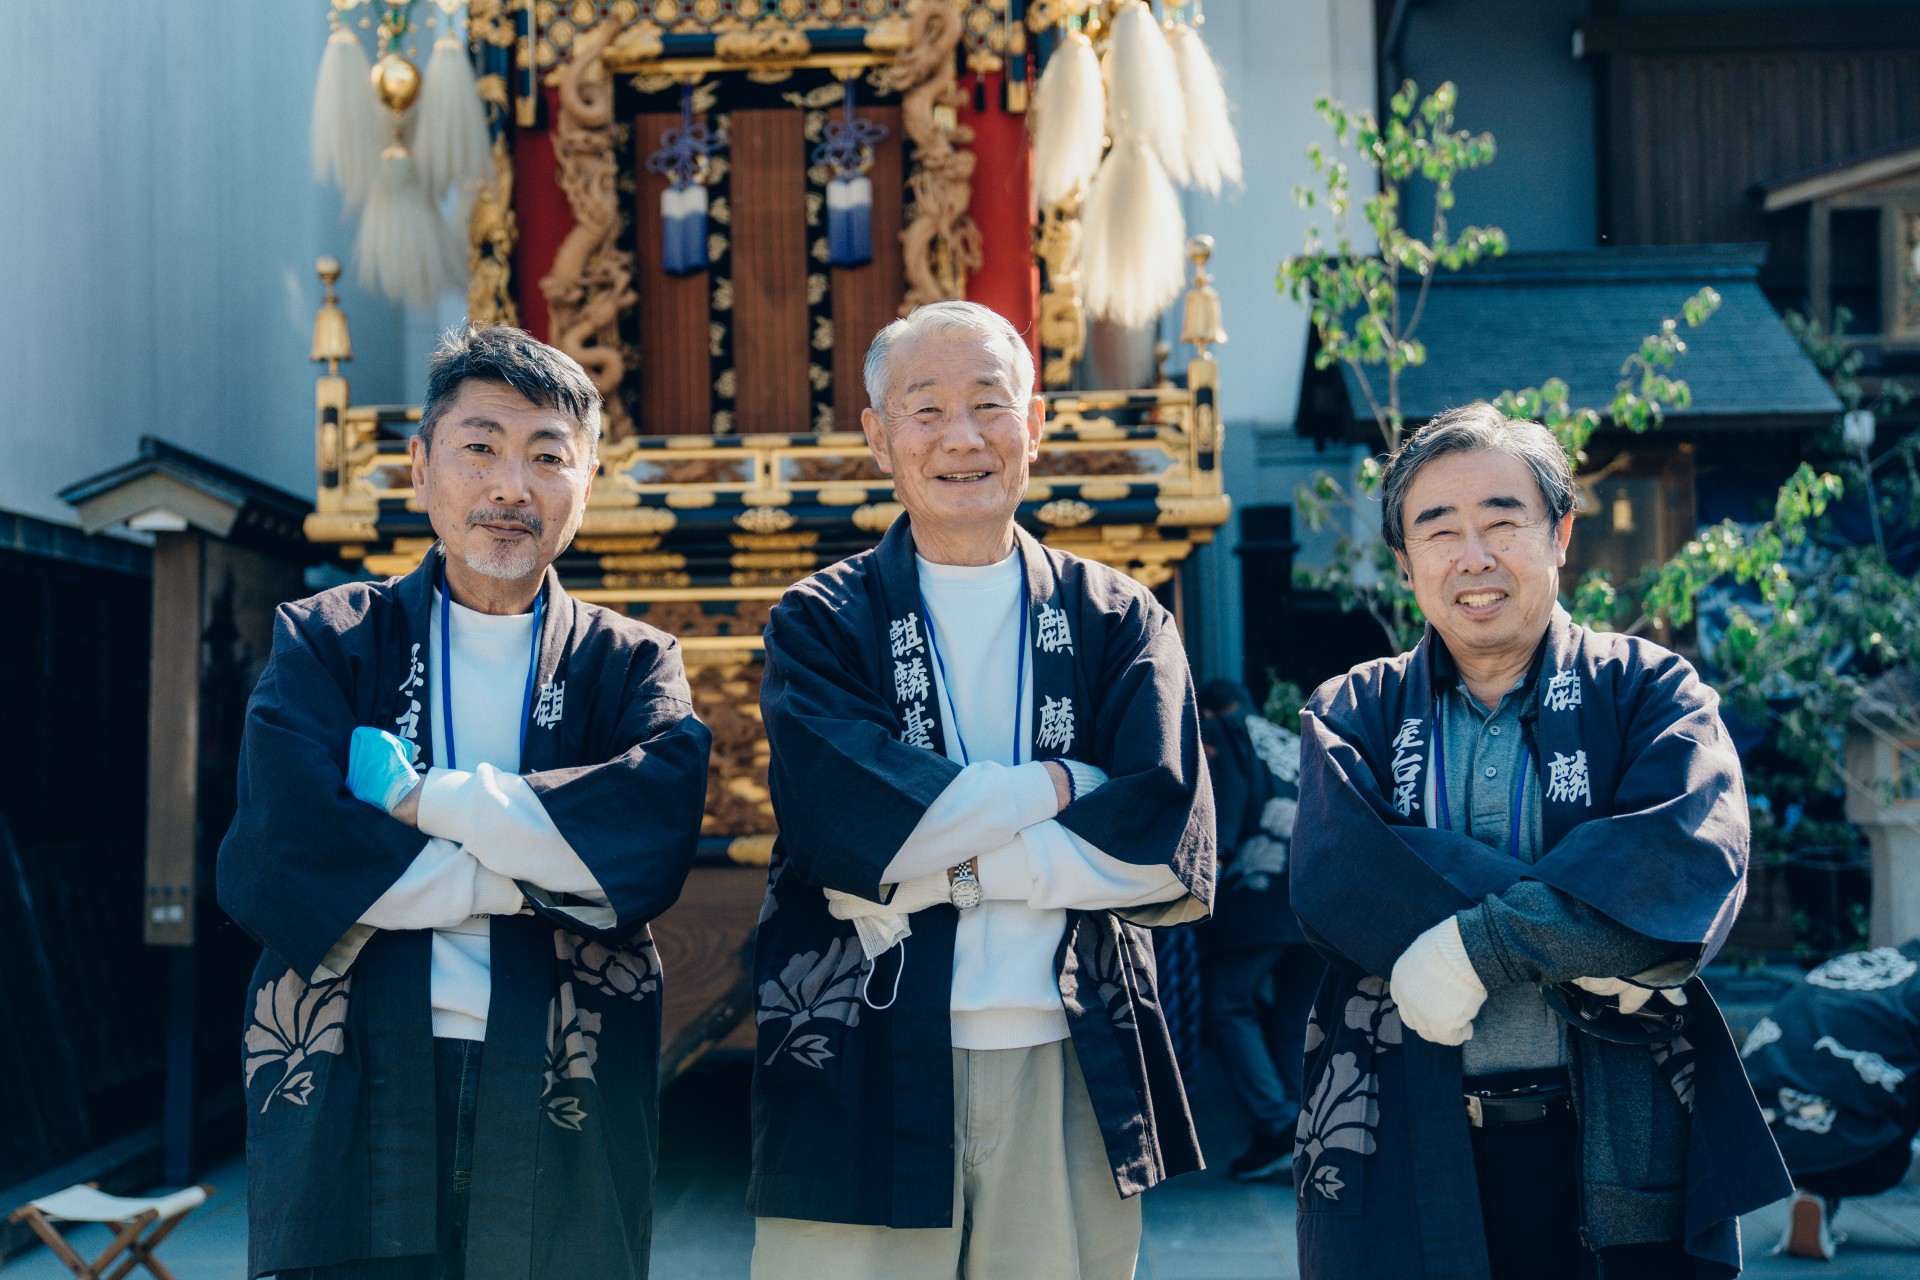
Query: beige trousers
{"type": "Point", "coordinates": [1033, 1195]}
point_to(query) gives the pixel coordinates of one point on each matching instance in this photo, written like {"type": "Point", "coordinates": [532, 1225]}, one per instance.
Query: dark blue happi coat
{"type": "Point", "coordinates": [339, 1068]}
{"type": "Point", "coordinates": [1255, 767]}
{"type": "Point", "coordinates": [1645, 819]}
{"type": "Point", "coordinates": [1837, 1062]}
{"type": "Point", "coordinates": [853, 1106]}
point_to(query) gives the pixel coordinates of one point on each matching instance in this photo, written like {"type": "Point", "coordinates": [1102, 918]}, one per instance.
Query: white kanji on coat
{"type": "Point", "coordinates": [1408, 756]}
{"type": "Point", "coordinates": [553, 699]}
{"type": "Point", "coordinates": [910, 681]}
{"type": "Point", "coordinates": [905, 635]}
{"type": "Point", "coordinates": [1567, 779]}
{"type": "Point", "coordinates": [1563, 691]}
{"type": "Point", "coordinates": [1056, 725]}
{"type": "Point", "coordinates": [916, 729]}
{"type": "Point", "coordinates": [1051, 631]}
{"type": "Point", "coordinates": [408, 721]}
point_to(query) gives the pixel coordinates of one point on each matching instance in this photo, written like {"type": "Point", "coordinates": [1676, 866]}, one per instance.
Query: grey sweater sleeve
{"type": "Point", "coordinates": [1535, 933]}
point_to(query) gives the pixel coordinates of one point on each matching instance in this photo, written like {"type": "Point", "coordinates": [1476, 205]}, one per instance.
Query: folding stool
{"type": "Point", "coordinates": [139, 1225]}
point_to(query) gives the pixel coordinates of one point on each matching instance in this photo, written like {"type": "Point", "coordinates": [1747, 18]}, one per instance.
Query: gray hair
{"type": "Point", "coordinates": [946, 319]}
{"type": "Point", "coordinates": [1475, 426]}
{"type": "Point", "coordinates": [545, 375]}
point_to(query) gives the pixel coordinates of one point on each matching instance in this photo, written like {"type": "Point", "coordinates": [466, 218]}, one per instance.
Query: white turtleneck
{"type": "Point", "coordinates": [1032, 870]}
{"type": "Point", "coordinates": [487, 827]}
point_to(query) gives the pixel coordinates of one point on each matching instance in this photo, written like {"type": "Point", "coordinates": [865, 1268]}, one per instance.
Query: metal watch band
{"type": "Point", "coordinates": [965, 893]}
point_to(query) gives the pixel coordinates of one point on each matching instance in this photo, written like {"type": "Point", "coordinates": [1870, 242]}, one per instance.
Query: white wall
{"type": "Point", "coordinates": [1276, 57]}
{"type": "Point", "coordinates": [158, 227]}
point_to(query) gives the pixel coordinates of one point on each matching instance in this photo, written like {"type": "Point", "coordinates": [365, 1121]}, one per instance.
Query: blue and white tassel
{"type": "Point", "coordinates": [683, 205]}
{"type": "Point", "coordinates": [848, 150]}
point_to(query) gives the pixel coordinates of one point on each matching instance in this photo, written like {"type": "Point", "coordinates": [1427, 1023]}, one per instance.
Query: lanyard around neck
{"type": "Point", "coordinates": [446, 661]}
{"type": "Point", "coordinates": [1019, 669]}
{"type": "Point", "coordinates": [1515, 815]}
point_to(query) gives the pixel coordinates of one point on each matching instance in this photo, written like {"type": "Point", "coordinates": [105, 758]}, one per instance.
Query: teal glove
{"type": "Point", "coordinates": [380, 767]}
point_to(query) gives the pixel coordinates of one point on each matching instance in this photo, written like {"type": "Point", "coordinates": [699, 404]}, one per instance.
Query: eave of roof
{"type": "Point", "coordinates": [1519, 320]}
{"type": "Point", "coordinates": [1902, 159]}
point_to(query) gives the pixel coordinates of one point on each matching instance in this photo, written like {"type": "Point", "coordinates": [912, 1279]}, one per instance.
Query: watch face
{"type": "Point", "coordinates": [966, 894]}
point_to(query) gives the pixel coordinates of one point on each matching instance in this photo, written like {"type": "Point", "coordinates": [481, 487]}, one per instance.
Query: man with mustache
{"type": "Point", "coordinates": [987, 771]}
{"type": "Point", "coordinates": [1517, 845]}
{"type": "Point", "coordinates": [463, 794]}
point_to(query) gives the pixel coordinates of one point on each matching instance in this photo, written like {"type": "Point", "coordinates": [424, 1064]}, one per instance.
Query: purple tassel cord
{"type": "Point", "coordinates": [848, 150]}
{"type": "Point", "coordinates": [683, 205]}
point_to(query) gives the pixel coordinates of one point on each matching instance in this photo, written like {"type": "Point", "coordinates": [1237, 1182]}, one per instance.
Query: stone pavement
{"type": "Point", "coordinates": [1203, 1227]}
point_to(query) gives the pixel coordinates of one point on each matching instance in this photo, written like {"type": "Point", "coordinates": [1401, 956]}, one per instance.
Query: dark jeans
{"type": "Point", "coordinates": [456, 1082]}
{"type": "Point", "coordinates": [1881, 1171]}
{"type": "Point", "coordinates": [1263, 1050]}
{"type": "Point", "coordinates": [1528, 1177]}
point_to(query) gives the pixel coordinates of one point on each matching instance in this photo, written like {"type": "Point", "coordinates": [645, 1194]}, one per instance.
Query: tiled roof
{"type": "Point", "coordinates": [1521, 319]}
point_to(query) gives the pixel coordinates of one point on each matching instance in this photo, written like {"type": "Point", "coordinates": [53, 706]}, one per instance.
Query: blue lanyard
{"type": "Point", "coordinates": [1019, 670]}
{"type": "Point", "coordinates": [446, 661]}
{"type": "Point", "coordinates": [1515, 815]}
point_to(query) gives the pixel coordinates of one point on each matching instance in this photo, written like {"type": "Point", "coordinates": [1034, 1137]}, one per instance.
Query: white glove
{"type": "Point", "coordinates": [882, 924]}
{"type": "Point", "coordinates": [1633, 996]}
{"type": "Point", "coordinates": [1435, 986]}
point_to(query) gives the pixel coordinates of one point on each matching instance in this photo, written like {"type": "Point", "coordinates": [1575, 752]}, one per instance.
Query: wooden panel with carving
{"type": "Point", "coordinates": [770, 338]}
{"type": "Point", "coordinates": [675, 395]}
{"type": "Point", "coordinates": [867, 298]}
{"type": "Point", "coordinates": [726, 696]}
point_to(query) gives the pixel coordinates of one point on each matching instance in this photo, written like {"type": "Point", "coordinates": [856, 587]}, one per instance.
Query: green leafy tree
{"type": "Point", "coordinates": [1365, 295]}
{"type": "Point", "coordinates": [1804, 620]}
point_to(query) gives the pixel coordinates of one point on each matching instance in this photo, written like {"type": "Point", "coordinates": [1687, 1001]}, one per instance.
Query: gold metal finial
{"type": "Point", "coordinates": [1201, 322]}
{"type": "Point", "coordinates": [397, 81]}
{"type": "Point", "coordinates": [330, 340]}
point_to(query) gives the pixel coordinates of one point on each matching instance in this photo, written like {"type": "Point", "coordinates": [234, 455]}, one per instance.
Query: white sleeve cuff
{"type": "Point", "coordinates": [495, 894]}
{"type": "Point", "coordinates": [1086, 777]}
{"type": "Point", "coordinates": [1031, 791]}
{"type": "Point", "coordinates": [442, 886]}
{"type": "Point", "coordinates": [984, 806]}
{"type": "Point", "coordinates": [500, 820]}
{"type": "Point", "coordinates": [1006, 872]}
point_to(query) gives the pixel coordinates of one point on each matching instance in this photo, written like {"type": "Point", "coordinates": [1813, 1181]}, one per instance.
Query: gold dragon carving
{"type": "Point", "coordinates": [591, 283]}
{"type": "Point", "coordinates": [1063, 317]}
{"type": "Point", "coordinates": [942, 242]}
{"type": "Point", "coordinates": [492, 230]}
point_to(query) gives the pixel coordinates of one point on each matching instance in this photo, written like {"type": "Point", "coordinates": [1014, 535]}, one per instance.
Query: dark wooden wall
{"type": "Point", "coordinates": [1690, 133]}
{"type": "Point", "coordinates": [80, 1000]}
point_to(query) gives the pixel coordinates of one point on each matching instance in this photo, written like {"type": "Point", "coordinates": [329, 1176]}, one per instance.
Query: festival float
{"type": "Point", "coordinates": [713, 205]}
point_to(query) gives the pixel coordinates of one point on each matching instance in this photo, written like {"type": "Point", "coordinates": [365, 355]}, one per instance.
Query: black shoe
{"type": "Point", "coordinates": [1266, 1158]}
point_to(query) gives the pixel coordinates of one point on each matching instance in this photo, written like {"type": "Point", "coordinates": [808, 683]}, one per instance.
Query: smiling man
{"type": "Point", "coordinates": [463, 794]}
{"type": "Point", "coordinates": [988, 777]}
{"type": "Point", "coordinates": [1517, 844]}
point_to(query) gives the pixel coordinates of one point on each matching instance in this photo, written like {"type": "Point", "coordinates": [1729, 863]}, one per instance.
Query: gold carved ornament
{"type": "Point", "coordinates": [493, 230]}
{"type": "Point", "coordinates": [1063, 317]}
{"type": "Point", "coordinates": [591, 282]}
{"type": "Point", "coordinates": [942, 242]}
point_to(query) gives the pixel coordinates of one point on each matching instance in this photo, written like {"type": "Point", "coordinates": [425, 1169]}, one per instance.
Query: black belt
{"type": "Point", "coordinates": [1528, 1104]}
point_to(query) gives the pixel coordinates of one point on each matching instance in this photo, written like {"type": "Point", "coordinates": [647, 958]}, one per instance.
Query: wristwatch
{"type": "Point", "coordinates": [965, 884]}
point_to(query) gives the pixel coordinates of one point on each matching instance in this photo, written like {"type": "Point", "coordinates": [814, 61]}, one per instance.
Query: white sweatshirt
{"type": "Point", "coordinates": [1032, 869]}
{"type": "Point", "coordinates": [487, 827]}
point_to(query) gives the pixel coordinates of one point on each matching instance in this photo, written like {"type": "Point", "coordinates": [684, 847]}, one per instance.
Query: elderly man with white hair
{"type": "Point", "coordinates": [988, 777]}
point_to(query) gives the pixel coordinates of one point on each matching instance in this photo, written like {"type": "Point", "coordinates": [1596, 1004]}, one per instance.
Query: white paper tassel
{"type": "Point", "coordinates": [1133, 252]}
{"type": "Point", "coordinates": [1213, 152]}
{"type": "Point", "coordinates": [1143, 89]}
{"type": "Point", "coordinates": [404, 250]}
{"type": "Point", "coordinates": [450, 140]}
{"type": "Point", "coordinates": [1069, 115]}
{"type": "Point", "coordinates": [346, 133]}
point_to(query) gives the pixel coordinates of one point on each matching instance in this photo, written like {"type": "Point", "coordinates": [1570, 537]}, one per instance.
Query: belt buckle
{"type": "Point", "coordinates": [1476, 1117]}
